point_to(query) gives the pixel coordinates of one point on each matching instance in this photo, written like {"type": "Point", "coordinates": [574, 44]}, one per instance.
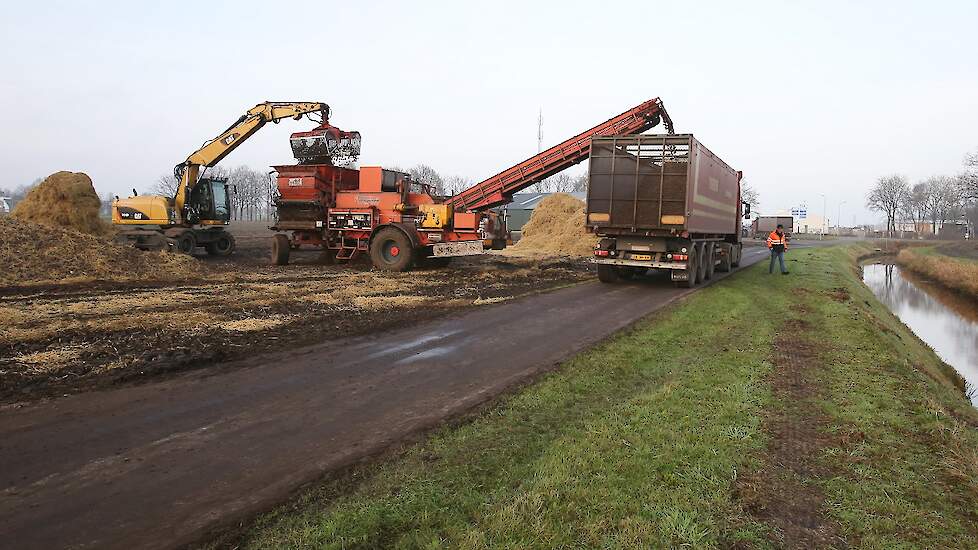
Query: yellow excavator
{"type": "Point", "coordinates": [197, 214]}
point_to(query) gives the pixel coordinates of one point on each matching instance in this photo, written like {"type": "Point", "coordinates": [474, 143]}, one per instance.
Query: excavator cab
{"type": "Point", "coordinates": [209, 202]}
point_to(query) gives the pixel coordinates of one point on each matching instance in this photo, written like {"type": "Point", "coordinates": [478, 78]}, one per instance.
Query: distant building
{"type": "Point", "coordinates": [805, 221]}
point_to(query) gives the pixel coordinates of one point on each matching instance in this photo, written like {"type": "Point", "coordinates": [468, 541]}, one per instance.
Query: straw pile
{"type": "Point", "coordinates": [31, 253]}
{"type": "Point", "coordinates": [63, 200]}
{"type": "Point", "coordinates": [556, 227]}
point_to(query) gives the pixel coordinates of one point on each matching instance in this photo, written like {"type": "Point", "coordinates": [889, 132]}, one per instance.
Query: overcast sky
{"type": "Point", "coordinates": [804, 100]}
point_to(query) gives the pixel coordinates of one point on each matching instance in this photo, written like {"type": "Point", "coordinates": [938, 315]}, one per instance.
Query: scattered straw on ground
{"type": "Point", "coordinates": [557, 228]}
{"type": "Point", "coordinates": [63, 200]}
{"type": "Point", "coordinates": [253, 324]}
{"type": "Point", "coordinates": [31, 253]}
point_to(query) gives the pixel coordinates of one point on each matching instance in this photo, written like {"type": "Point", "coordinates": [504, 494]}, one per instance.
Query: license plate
{"type": "Point", "coordinates": [640, 257]}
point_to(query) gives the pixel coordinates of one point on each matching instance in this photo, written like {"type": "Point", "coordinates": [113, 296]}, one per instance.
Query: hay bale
{"type": "Point", "coordinates": [34, 254]}
{"type": "Point", "coordinates": [66, 200]}
{"type": "Point", "coordinates": [556, 227]}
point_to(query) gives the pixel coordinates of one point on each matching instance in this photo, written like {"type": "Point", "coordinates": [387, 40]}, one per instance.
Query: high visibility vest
{"type": "Point", "coordinates": [775, 239]}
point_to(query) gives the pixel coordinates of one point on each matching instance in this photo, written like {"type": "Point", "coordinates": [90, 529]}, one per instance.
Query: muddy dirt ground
{"type": "Point", "coordinates": [61, 339]}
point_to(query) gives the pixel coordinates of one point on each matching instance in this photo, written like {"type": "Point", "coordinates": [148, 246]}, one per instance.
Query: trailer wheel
{"type": "Point", "coordinates": [692, 268]}
{"type": "Point", "coordinates": [391, 250]}
{"type": "Point", "coordinates": [281, 246]}
{"type": "Point", "coordinates": [725, 259]}
{"type": "Point", "coordinates": [700, 262]}
{"type": "Point", "coordinates": [185, 242]}
{"type": "Point", "coordinates": [735, 254]}
{"type": "Point", "coordinates": [607, 273]}
{"type": "Point", "coordinates": [223, 245]}
{"type": "Point", "coordinates": [627, 273]}
{"type": "Point", "coordinates": [711, 255]}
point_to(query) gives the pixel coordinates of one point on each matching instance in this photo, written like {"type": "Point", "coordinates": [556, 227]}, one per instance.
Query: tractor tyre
{"type": "Point", "coordinates": [223, 245]}
{"type": "Point", "coordinates": [391, 250]}
{"type": "Point", "coordinates": [281, 247]}
{"type": "Point", "coordinates": [607, 273]}
{"type": "Point", "coordinates": [185, 242]}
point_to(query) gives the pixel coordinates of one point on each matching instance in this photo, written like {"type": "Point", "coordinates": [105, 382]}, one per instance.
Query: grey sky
{"type": "Point", "coordinates": [807, 98]}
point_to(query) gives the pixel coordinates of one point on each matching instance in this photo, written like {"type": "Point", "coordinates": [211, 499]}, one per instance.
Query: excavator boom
{"type": "Point", "coordinates": [499, 189]}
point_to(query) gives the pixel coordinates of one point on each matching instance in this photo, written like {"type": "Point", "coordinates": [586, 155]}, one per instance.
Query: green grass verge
{"type": "Point", "coordinates": [640, 441]}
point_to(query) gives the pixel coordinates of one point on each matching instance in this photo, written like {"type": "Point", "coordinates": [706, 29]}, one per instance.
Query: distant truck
{"type": "Point", "coordinates": [762, 226]}
{"type": "Point", "coordinates": [663, 202]}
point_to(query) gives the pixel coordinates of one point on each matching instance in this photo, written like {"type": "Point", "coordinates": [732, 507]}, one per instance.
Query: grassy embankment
{"type": "Point", "coordinates": [763, 411]}
{"type": "Point", "coordinates": [944, 265]}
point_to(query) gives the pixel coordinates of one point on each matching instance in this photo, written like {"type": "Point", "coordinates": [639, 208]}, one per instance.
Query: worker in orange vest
{"type": "Point", "coordinates": [778, 243]}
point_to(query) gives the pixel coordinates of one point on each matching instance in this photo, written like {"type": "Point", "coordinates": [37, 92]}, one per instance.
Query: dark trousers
{"type": "Point", "coordinates": [779, 255]}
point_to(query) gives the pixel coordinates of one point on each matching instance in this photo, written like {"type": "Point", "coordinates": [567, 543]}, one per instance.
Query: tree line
{"type": "Point", "coordinates": [932, 201]}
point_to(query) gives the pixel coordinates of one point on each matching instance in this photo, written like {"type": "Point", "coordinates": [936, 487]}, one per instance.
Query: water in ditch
{"type": "Point", "coordinates": [943, 319]}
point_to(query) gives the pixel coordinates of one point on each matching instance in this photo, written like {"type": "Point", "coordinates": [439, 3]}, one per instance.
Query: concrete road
{"type": "Point", "coordinates": [161, 465]}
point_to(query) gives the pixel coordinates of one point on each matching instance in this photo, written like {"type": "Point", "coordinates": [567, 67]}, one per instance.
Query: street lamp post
{"type": "Point", "coordinates": [821, 234]}
{"type": "Point", "coordinates": [838, 221]}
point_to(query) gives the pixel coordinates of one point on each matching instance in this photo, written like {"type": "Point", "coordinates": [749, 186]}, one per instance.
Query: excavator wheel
{"type": "Point", "coordinates": [223, 245]}
{"type": "Point", "coordinates": [185, 242]}
{"type": "Point", "coordinates": [391, 250]}
{"type": "Point", "coordinates": [281, 246]}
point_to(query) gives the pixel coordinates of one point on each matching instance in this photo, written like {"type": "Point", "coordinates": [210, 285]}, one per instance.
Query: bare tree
{"type": "Point", "coordinates": [915, 207]}
{"type": "Point", "coordinates": [887, 196]}
{"type": "Point", "coordinates": [422, 173]}
{"type": "Point", "coordinates": [165, 186]}
{"type": "Point", "coordinates": [750, 195]}
{"type": "Point", "coordinates": [454, 185]}
{"type": "Point", "coordinates": [944, 199]}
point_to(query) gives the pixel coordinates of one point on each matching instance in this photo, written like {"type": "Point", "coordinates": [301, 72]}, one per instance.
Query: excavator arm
{"type": "Point", "coordinates": [188, 172]}
{"type": "Point", "coordinates": [499, 189]}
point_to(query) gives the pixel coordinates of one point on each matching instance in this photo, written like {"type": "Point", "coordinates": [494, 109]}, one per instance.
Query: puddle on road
{"type": "Point", "coordinates": [947, 322]}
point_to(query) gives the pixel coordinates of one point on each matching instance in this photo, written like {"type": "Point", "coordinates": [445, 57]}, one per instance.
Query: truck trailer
{"type": "Point", "coordinates": [762, 226]}
{"type": "Point", "coordinates": [663, 202]}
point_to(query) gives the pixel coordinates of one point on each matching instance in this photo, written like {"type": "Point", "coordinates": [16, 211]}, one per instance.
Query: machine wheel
{"type": "Point", "coordinates": [185, 242]}
{"type": "Point", "coordinates": [281, 246]}
{"type": "Point", "coordinates": [391, 250]}
{"type": "Point", "coordinates": [607, 273]}
{"type": "Point", "coordinates": [711, 255]}
{"type": "Point", "coordinates": [735, 253]}
{"type": "Point", "coordinates": [692, 268]}
{"type": "Point", "coordinates": [725, 259]}
{"type": "Point", "coordinates": [223, 245]}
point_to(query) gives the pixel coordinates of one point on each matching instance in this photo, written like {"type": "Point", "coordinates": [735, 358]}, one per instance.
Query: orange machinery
{"type": "Point", "coordinates": [396, 220]}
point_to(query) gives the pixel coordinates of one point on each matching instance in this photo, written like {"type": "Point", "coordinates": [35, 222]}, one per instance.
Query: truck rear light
{"type": "Point", "coordinates": [600, 252]}
{"type": "Point", "coordinates": [680, 257]}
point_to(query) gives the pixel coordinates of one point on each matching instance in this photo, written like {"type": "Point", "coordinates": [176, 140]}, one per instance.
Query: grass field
{"type": "Point", "coordinates": [954, 267]}
{"type": "Point", "coordinates": [765, 411]}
